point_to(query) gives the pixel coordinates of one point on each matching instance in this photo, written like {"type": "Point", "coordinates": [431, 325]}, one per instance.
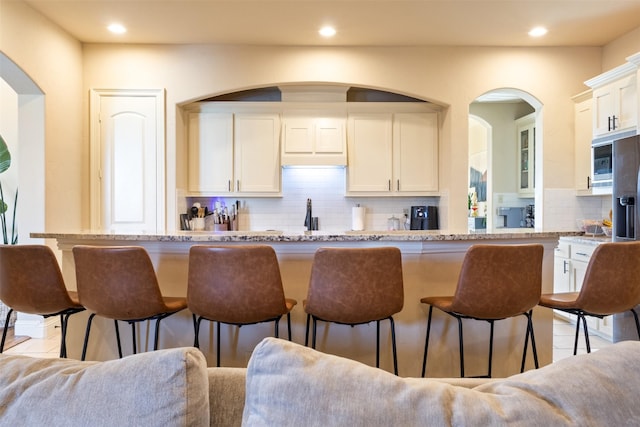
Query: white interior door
{"type": "Point", "coordinates": [128, 163]}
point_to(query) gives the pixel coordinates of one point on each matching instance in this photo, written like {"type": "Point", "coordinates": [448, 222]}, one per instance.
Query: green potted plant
{"type": "Point", "coordinates": [5, 162]}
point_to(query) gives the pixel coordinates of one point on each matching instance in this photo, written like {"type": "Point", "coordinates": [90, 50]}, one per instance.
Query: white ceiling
{"type": "Point", "coordinates": [359, 22]}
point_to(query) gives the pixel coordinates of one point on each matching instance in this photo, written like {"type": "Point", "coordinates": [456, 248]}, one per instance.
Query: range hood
{"type": "Point", "coordinates": [314, 125]}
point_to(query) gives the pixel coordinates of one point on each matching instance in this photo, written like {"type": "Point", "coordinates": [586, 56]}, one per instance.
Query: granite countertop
{"type": "Point", "coordinates": [313, 236]}
{"type": "Point", "coordinates": [586, 239]}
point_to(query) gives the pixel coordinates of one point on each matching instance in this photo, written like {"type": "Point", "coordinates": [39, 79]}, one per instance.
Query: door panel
{"type": "Point", "coordinates": [128, 164]}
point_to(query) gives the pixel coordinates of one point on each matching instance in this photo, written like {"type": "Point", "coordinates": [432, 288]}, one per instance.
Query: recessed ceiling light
{"type": "Point", "coordinates": [117, 28]}
{"type": "Point", "coordinates": [327, 31]}
{"type": "Point", "coordinates": [538, 32]}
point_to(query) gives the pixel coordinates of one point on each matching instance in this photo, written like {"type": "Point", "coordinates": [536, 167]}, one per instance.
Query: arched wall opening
{"type": "Point", "coordinates": [25, 130]}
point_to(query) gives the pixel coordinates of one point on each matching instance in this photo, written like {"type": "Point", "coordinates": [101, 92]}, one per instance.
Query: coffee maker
{"type": "Point", "coordinates": [424, 218]}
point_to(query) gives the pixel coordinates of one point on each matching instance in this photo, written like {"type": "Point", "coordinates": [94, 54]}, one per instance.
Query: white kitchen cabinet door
{"type": "Point", "coordinates": [615, 106]}
{"type": "Point", "coordinates": [257, 153]}
{"type": "Point", "coordinates": [582, 143]}
{"type": "Point", "coordinates": [369, 152]}
{"type": "Point", "coordinates": [329, 135]}
{"type": "Point", "coordinates": [298, 136]}
{"type": "Point", "coordinates": [314, 141]}
{"type": "Point", "coordinates": [561, 274]}
{"type": "Point", "coordinates": [526, 155]}
{"type": "Point", "coordinates": [127, 160]}
{"type": "Point", "coordinates": [211, 152]}
{"type": "Point", "coordinates": [415, 149]}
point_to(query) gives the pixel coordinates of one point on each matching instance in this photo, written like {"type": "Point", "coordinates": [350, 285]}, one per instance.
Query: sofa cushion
{"type": "Point", "coordinates": [288, 384]}
{"type": "Point", "coordinates": [160, 388]}
{"type": "Point", "coordinates": [226, 396]}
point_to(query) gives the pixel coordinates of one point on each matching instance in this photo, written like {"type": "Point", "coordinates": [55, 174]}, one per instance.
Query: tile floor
{"type": "Point", "coordinates": [563, 336]}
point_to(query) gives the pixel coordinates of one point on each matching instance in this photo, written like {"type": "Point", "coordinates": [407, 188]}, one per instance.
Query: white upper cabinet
{"type": "Point", "coordinates": [615, 107]}
{"type": "Point", "coordinates": [415, 152]}
{"type": "Point", "coordinates": [310, 139]}
{"type": "Point", "coordinates": [392, 154]}
{"type": "Point", "coordinates": [615, 100]}
{"type": "Point", "coordinates": [526, 155]}
{"type": "Point", "coordinates": [369, 148]}
{"type": "Point", "coordinates": [582, 142]}
{"type": "Point", "coordinates": [234, 153]}
{"type": "Point", "coordinates": [211, 152]}
{"type": "Point", "coordinates": [257, 153]}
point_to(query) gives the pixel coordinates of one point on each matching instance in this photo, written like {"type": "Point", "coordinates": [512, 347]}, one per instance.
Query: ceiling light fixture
{"type": "Point", "coordinates": [327, 31]}
{"type": "Point", "coordinates": [117, 28]}
{"type": "Point", "coordinates": [538, 32]}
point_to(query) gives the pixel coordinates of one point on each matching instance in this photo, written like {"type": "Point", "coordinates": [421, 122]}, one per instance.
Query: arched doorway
{"type": "Point", "coordinates": [23, 131]}
{"type": "Point", "coordinates": [504, 110]}
{"type": "Point", "coordinates": [22, 109]}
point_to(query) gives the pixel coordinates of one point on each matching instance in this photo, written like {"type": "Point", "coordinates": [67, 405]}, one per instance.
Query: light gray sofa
{"type": "Point", "coordinates": [290, 385]}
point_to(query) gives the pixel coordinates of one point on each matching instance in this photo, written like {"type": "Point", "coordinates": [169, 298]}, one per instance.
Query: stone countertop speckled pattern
{"type": "Point", "coordinates": [314, 236]}
{"type": "Point", "coordinates": [586, 239]}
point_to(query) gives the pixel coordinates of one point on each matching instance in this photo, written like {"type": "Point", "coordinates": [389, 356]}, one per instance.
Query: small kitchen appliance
{"type": "Point", "coordinates": [424, 218]}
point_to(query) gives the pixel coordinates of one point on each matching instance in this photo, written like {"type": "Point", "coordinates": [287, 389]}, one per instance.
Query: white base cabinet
{"type": "Point", "coordinates": [570, 265]}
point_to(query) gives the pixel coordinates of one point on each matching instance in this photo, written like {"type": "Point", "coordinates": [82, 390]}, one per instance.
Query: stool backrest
{"type": "Point", "coordinates": [499, 281]}
{"type": "Point", "coordinates": [612, 279]}
{"type": "Point", "coordinates": [31, 281]}
{"type": "Point", "coordinates": [117, 282]}
{"type": "Point", "coordinates": [355, 285]}
{"type": "Point", "coordinates": [235, 284]}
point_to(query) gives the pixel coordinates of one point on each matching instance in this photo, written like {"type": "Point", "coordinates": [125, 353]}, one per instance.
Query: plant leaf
{"type": "Point", "coordinates": [5, 156]}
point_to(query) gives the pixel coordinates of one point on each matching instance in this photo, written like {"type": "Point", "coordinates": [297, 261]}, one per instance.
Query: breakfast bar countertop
{"type": "Point", "coordinates": [312, 236]}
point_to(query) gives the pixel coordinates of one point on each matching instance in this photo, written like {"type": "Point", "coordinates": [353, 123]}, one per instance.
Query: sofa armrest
{"type": "Point", "coordinates": [226, 396]}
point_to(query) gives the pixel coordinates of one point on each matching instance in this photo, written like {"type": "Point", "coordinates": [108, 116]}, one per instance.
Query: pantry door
{"type": "Point", "coordinates": [127, 161]}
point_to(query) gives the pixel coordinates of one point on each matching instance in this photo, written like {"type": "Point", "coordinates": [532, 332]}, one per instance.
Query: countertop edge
{"type": "Point", "coordinates": [269, 236]}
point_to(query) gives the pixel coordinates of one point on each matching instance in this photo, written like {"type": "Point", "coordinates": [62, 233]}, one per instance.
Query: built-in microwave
{"type": "Point", "coordinates": [602, 162]}
{"type": "Point", "coordinates": [601, 165]}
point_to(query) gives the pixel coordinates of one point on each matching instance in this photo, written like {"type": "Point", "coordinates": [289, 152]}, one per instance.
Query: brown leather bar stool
{"type": "Point", "coordinates": [119, 283]}
{"type": "Point", "coordinates": [354, 286]}
{"type": "Point", "coordinates": [611, 285]}
{"type": "Point", "coordinates": [495, 282]}
{"type": "Point", "coordinates": [236, 285]}
{"type": "Point", "coordinates": [31, 282]}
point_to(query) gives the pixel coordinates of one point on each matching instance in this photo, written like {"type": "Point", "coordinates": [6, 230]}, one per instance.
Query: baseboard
{"type": "Point", "coordinates": [35, 326]}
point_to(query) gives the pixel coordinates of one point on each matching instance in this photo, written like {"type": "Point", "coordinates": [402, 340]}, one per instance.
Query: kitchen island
{"type": "Point", "coordinates": [431, 262]}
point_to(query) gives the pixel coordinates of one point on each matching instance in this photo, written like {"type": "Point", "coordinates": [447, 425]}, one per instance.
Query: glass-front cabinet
{"type": "Point", "coordinates": [526, 154]}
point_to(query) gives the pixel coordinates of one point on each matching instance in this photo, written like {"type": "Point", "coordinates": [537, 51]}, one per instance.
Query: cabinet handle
{"type": "Point", "coordinates": [613, 123]}
{"type": "Point", "coordinates": [609, 123]}
{"type": "Point", "coordinates": [581, 254]}
{"type": "Point", "coordinates": [229, 185]}
{"type": "Point", "coordinates": [389, 185]}
{"type": "Point", "coordinates": [565, 268]}
{"type": "Point", "coordinates": [237, 185]}
{"type": "Point", "coordinates": [588, 182]}
{"type": "Point", "coordinates": [398, 185]}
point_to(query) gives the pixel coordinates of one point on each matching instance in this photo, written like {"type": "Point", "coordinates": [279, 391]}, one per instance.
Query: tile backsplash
{"type": "Point", "coordinates": [325, 186]}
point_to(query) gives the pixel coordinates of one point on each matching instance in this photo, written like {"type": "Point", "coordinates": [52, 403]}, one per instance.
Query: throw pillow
{"type": "Point", "coordinates": [159, 388]}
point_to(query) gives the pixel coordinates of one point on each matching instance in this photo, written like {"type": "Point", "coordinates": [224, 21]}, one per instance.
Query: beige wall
{"type": "Point", "coordinates": [452, 77]}
{"type": "Point", "coordinates": [614, 53]}
{"type": "Point", "coordinates": [53, 60]}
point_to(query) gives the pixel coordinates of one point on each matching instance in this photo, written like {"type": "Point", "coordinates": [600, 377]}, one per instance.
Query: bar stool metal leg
{"type": "Point", "coordinates": [426, 342]}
